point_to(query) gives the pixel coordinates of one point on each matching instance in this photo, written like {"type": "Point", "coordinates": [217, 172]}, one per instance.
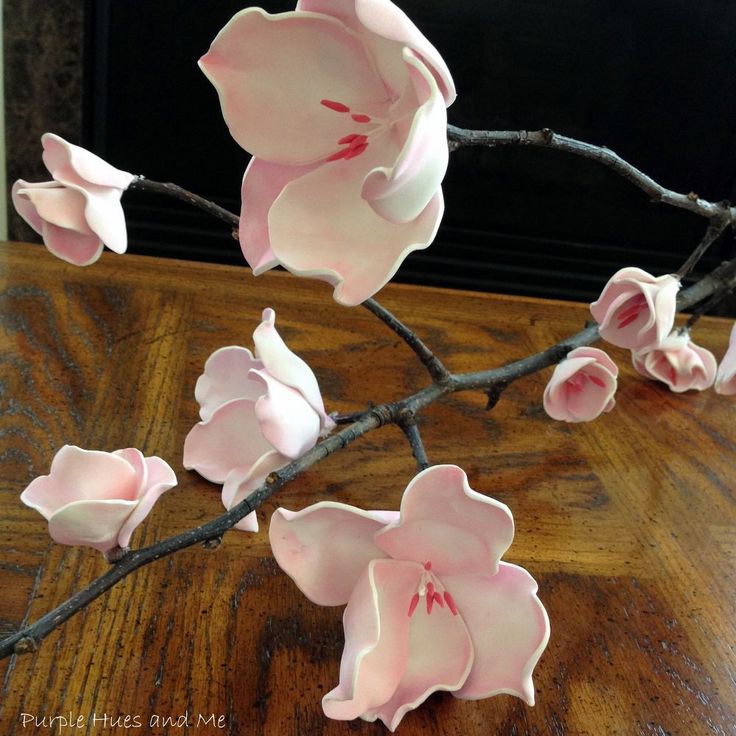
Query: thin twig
{"type": "Point", "coordinates": [431, 362]}
{"type": "Point", "coordinates": [717, 212]}
{"type": "Point", "coordinates": [715, 228]}
{"type": "Point", "coordinates": [174, 190]}
{"type": "Point", "coordinates": [28, 638]}
{"type": "Point", "coordinates": [408, 425]}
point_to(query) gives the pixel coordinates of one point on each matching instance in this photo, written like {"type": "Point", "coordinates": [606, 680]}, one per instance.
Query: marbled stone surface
{"type": "Point", "coordinates": [43, 46]}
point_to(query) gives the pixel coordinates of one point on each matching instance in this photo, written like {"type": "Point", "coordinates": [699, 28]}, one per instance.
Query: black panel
{"type": "Point", "coordinates": [649, 80]}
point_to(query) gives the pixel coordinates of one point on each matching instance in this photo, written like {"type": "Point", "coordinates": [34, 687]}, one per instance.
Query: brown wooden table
{"type": "Point", "coordinates": [627, 522]}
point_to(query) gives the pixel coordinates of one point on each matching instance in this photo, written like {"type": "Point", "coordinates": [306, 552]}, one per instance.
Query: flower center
{"type": "Point", "coordinates": [354, 143]}
{"type": "Point", "coordinates": [432, 590]}
{"type": "Point", "coordinates": [633, 309]}
{"type": "Point", "coordinates": [577, 382]}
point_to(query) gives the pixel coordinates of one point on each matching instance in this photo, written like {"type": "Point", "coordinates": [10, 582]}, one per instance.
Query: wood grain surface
{"type": "Point", "coordinates": [626, 522]}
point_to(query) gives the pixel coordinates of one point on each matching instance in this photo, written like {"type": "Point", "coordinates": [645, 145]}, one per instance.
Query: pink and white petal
{"type": "Point", "coordinates": [90, 523]}
{"type": "Point", "coordinates": [387, 21]}
{"type": "Point", "coordinates": [725, 383]}
{"type": "Point", "coordinates": [225, 378]}
{"type": "Point", "coordinates": [231, 438]}
{"type": "Point", "coordinates": [598, 355]}
{"type": "Point", "coordinates": [321, 226]}
{"type": "Point", "coordinates": [159, 478]}
{"type": "Point", "coordinates": [79, 249]}
{"type": "Point", "coordinates": [286, 419]}
{"type": "Point", "coordinates": [78, 474]}
{"type": "Point", "coordinates": [440, 657]}
{"type": "Point", "coordinates": [509, 628]}
{"type": "Point", "coordinates": [326, 547]}
{"type": "Point", "coordinates": [136, 460]}
{"type": "Point", "coordinates": [262, 183]}
{"type": "Point", "coordinates": [705, 371]}
{"type": "Point", "coordinates": [383, 18]}
{"type": "Point", "coordinates": [60, 206]}
{"type": "Point", "coordinates": [400, 192]}
{"type": "Point", "coordinates": [72, 164]}
{"type": "Point", "coordinates": [272, 72]}
{"type": "Point", "coordinates": [104, 215]}
{"type": "Point", "coordinates": [286, 366]}
{"type": "Point", "coordinates": [23, 204]}
{"type": "Point", "coordinates": [241, 482]}
{"type": "Point", "coordinates": [376, 639]}
{"type": "Point", "coordinates": [445, 522]}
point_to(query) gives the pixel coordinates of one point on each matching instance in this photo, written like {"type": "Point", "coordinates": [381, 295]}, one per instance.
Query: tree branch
{"type": "Point", "coordinates": [717, 212]}
{"type": "Point", "coordinates": [431, 362]}
{"type": "Point", "coordinates": [495, 380]}
{"type": "Point", "coordinates": [174, 190]}
{"type": "Point", "coordinates": [408, 424]}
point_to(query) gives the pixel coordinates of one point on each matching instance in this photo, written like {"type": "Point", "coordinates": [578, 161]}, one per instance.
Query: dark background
{"type": "Point", "coordinates": [653, 81]}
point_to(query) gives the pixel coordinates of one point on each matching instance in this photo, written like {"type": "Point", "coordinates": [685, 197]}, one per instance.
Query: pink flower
{"type": "Point", "coordinates": [342, 105]}
{"type": "Point", "coordinates": [258, 413]}
{"type": "Point", "coordinates": [636, 310]}
{"type": "Point", "coordinates": [582, 386]}
{"type": "Point", "coordinates": [429, 604]}
{"type": "Point", "coordinates": [678, 362]}
{"type": "Point", "coordinates": [97, 499]}
{"type": "Point", "coordinates": [80, 209]}
{"type": "Point", "coordinates": [726, 376]}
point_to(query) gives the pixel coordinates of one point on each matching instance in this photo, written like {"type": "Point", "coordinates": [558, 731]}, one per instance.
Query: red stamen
{"type": "Point", "coordinates": [430, 590]}
{"type": "Point", "coordinates": [354, 151]}
{"type": "Point", "coordinates": [427, 565]}
{"type": "Point", "coordinates": [451, 603]}
{"type": "Point", "coordinates": [438, 599]}
{"type": "Point", "coordinates": [430, 603]}
{"type": "Point", "coordinates": [597, 381]}
{"type": "Point", "coordinates": [336, 106]}
{"type": "Point", "coordinates": [360, 118]}
{"type": "Point", "coordinates": [413, 605]}
{"type": "Point", "coordinates": [626, 322]}
{"type": "Point", "coordinates": [359, 140]}
{"type": "Point", "coordinates": [635, 305]}
{"type": "Point", "coordinates": [342, 153]}
{"type": "Point", "coordinates": [348, 138]}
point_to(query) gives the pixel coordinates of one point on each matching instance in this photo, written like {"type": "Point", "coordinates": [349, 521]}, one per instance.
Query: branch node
{"type": "Point", "coordinates": [548, 135]}
{"type": "Point", "coordinates": [26, 645]}
{"type": "Point", "coordinates": [235, 234]}
{"type": "Point", "coordinates": [213, 543]}
{"type": "Point", "coordinates": [273, 478]}
{"type": "Point", "coordinates": [384, 414]}
{"type": "Point", "coordinates": [693, 196]}
{"type": "Point", "coordinates": [114, 555]}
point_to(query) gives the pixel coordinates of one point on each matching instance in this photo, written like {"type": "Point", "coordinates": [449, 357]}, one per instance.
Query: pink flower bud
{"type": "Point", "coordinates": [582, 386]}
{"type": "Point", "coordinates": [80, 209]}
{"type": "Point", "coordinates": [636, 310]}
{"type": "Point", "coordinates": [678, 362]}
{"type": "Point", "coordinates": [97, 499]}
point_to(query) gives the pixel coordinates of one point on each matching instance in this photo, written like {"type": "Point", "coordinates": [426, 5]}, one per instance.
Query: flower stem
{"type": "Point", "coordinates": [431, 362]}
{"type": "Point", "coordinates": [174, 190]}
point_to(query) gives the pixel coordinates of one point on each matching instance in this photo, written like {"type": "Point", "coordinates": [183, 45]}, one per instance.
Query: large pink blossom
{"type": "Point", "coordinates": [258, 413]}
{"type": "Point", "coordinates": [97, 499]}
{"type": "Point", "coordinates": [342, 104]}
{"type": "Point", "coordinates": [582, 386]}
{"type": "Point", "coordinates": [726, 375]}
{"type": "Point", "coordinates": [678, 362]}
{"type": "Point", "coordinates": [430, 606]}
{"type": "Point", "coordinates": [636, 310]}
{"type": "Point", "coordinates": [79, 211]}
